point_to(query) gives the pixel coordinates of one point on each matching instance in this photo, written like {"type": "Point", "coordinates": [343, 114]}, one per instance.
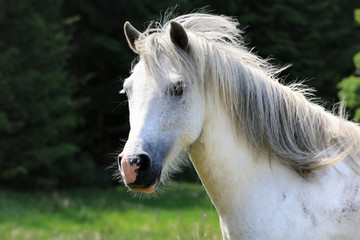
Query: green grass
{"type": "Point", "coordinates": [183, 211]}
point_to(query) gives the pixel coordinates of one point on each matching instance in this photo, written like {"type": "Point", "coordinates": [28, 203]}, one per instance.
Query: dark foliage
{"type": "Point", "coordinates": [38, 144]}
{"type": "Point", "coordinates": [62, 63]}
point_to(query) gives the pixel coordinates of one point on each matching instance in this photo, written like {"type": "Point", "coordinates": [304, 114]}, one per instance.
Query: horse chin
{"type": "Point", "coordinates": [149, 189]}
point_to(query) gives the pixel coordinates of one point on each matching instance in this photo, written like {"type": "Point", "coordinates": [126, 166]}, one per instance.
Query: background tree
{"type": "Point", "coordinates": [55, 52]}
{"type": "Point", "coordinates": [350, 86]}
{"type": "Point", "coordinates": [38, 145]}
{"type": "Point", "coordinates": [317, 38]}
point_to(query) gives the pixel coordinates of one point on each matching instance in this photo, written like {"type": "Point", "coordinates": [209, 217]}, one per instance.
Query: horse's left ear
{"type": "Point", "coordinates": [178, 35]}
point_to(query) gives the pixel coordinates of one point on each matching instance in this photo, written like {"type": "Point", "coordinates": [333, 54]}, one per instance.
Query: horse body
{"type": "Point", "coordinates": [275, 165]}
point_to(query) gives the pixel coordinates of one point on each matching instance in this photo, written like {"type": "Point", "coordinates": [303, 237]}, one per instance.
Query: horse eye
{"type": "Point", "coordinates": [178, 89]}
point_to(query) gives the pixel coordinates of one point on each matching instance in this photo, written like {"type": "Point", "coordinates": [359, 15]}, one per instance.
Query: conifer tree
{"type": "Point", "coordinates": [37, 112]}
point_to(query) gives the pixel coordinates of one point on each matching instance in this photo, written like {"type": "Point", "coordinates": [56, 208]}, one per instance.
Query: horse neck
{"type": "Point", "coordinates": [225, 165]}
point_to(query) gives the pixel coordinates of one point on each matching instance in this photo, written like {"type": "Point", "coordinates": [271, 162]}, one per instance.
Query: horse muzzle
{"type": "Point", "coordinates": [138, 172]}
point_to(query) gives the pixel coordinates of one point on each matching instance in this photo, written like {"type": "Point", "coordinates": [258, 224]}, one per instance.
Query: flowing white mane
{"type": "Point", "coordinates": [273, 118]}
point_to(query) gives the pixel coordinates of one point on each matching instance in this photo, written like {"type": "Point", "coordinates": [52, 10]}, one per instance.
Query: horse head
{"type": "Point", "coordinates": [166, 111]}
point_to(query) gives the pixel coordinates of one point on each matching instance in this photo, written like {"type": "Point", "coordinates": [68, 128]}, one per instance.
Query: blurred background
{"type": "Point", "coordinates": [62, 64]}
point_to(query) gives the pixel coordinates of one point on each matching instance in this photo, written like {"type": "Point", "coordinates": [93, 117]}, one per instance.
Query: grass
{"type": "Point", "coordinates": [184, 211]}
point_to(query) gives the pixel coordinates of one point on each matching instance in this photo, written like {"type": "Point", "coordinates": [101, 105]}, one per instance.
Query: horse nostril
{"type": "Point", "coordinates": [120, 156]}
{"type": "Point", "coordinates": [142, 161]}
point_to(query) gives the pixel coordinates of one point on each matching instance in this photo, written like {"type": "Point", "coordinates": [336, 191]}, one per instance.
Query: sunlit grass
{"type": "Point", "coordinates": [183, 211]}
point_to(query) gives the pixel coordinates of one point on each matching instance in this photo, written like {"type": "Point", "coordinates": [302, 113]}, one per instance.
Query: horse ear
{"type": "Point", "coordinates": [131, 35]}
{"type": "Point", "coordinates": [178, 35]}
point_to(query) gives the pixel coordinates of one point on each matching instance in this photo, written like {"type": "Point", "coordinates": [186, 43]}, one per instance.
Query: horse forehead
{"type": "Point", "coordinates": [138, 72]}
{"type": "Point", "coordinates": [174, 76]}
{"type": "Point", "coordinates": [165, 73]}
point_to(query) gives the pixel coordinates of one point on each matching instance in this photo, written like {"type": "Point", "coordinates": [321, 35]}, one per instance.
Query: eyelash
{"type": "Point", "coordinates": [178, 89]}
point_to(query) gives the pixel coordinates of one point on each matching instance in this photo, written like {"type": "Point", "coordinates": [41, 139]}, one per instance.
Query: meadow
{"type": "Point", "coordinates": [182, 211]}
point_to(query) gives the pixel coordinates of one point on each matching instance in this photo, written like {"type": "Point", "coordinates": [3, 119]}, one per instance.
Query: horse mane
{"type": "Point", "coordinates": [275, 118]}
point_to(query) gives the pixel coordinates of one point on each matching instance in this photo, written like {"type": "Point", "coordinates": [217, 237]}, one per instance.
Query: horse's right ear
{"type": "Point", "coordinates": [131, 35]}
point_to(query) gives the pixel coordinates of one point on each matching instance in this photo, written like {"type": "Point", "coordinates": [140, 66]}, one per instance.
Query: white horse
{"type": "Point", "coordinates": [275, 164]}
